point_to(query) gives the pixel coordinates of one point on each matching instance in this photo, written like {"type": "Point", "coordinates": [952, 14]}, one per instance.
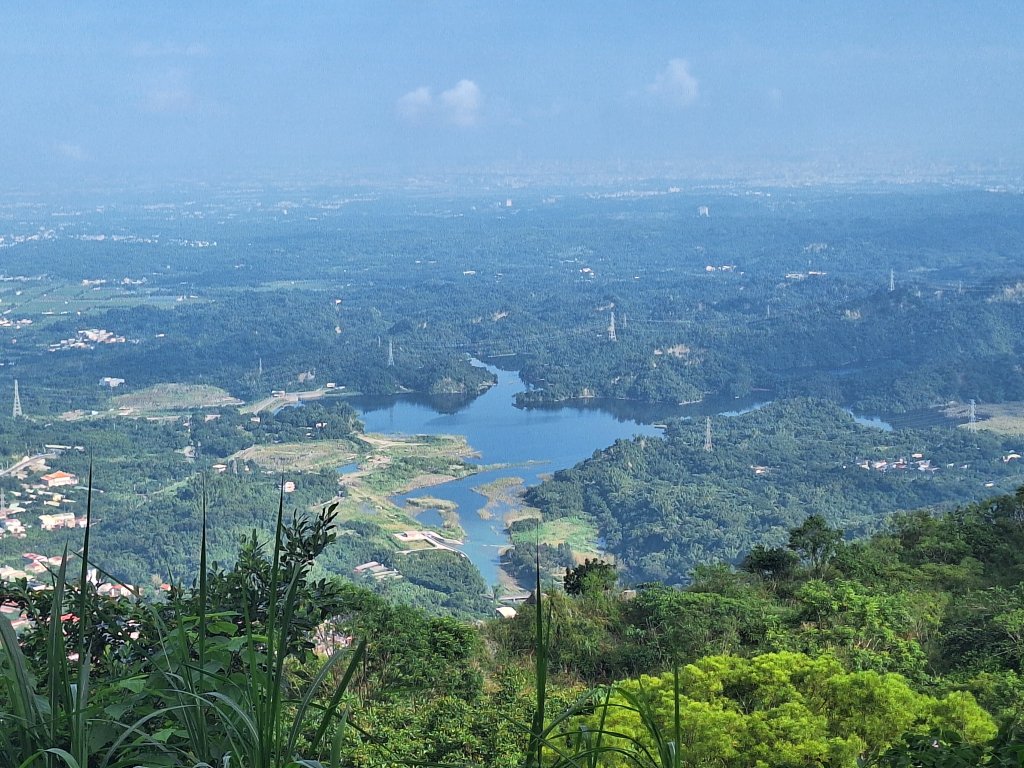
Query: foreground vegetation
{"type": "Point", "coordinates": [900, 650]}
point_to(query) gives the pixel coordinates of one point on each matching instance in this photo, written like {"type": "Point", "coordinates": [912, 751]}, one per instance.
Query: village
{"type": "Point", "coordinates": [422, 541]}
{"type": "Point", "coordinates": [46, 494]}
{"type": "Point", "coordinates": [42, 495]}
{"type": "Point", "coordinates": [918, 462]}
{"type": "Point", "coordinates": [87, 339]}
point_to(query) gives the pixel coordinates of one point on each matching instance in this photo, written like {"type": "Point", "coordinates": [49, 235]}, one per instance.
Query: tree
{"type": "Point", "coordinates": [770, 564]}
{"type": "Point", "coordinates": [591, 577]}
{"type": "Point", "coordinates": [780, 709]}
{"type": "Point", "coordinates": [815, 542]}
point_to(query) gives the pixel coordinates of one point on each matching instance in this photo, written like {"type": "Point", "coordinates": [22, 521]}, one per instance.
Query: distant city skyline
{"type": "Point", "coordinates": [192, 92]}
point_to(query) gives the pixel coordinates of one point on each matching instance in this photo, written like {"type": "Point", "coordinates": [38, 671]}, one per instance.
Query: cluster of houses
{"type": "Point", "coordinates": [917, 461]}
{"type": "Point", "coordinates": [87, 339]}
{"type": "Point", "coordinates": [6, 322]}
{"type": "Point", "coordinates": [427, 540]}
{"type": "Point", "coordinates": [421, 541]}
{"type": "Point", "coordinates": [376, 571]}
{"type": "Point", "coordinates": [48, 496]}
{"type": "Point", "coordinates": [33, 572]}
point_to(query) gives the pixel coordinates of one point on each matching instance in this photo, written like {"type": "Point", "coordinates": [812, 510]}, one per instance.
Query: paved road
{"type": "Point", "coordinates": [15, 468]}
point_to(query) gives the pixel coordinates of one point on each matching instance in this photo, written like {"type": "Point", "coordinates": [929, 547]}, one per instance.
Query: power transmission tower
{"type": "Point", "coordinates": [972, 416]}
{"type": "Point", "coordinates": [892, 280]}
{"type": "Point", "coordinates": [611, 328]}
{"type": "Point", "coordinates": [707, 435]}
{"type": "Point", "coordinates": [16, 412]}
{"type": "Point", "coordinates": [391, 354]}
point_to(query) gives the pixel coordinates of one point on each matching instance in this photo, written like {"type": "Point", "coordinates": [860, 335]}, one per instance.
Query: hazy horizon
{"type": "Point", "coordinates": [167, 94]}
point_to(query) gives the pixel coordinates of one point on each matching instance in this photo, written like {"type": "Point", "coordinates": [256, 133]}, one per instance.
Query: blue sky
{"type": "Point", "coordinates": [138, 92]}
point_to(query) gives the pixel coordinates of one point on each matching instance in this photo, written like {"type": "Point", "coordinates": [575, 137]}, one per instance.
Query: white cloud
{"type": "Point", "coordinates": [70, 151]}
{"type": "Point", "coordinates": [462, 103]}
{"type": "Point", "coordinates": [416, 103]}
{"type": "Point", "coordinates": [459, 105]}
{"type": "Point", "coordinates": [675, 84]}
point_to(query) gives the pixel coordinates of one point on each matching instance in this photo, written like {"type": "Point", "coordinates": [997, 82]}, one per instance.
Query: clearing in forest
{"type": "Point", "coordinates": [175, 397]}
{"type": "Point", "coordinates": [299, 457]}
{"type": "Point", "coordinates": [578, 533]}
{"type": "Point", "coordinates": [1002, 418]}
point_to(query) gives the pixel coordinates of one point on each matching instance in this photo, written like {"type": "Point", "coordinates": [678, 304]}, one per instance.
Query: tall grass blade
{"type": "Point", "coordinates": [335, 702]}
{"type": "Point", "coordinates": [68, 759]}
{"type": "Point", "coordinates": [58, 677]}
{"type": "Point", "coordinates": [535, 748]}
{"type": "Point", "coordinates": [21, 695]}
{"type": "Point", "coordinates": [199, 721]}
{"type": "Point", "coordinates": [79, 720]}
{"type": "Point", "coordinates": [271, 694]}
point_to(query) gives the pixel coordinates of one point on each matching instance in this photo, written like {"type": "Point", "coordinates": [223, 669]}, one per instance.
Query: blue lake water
{"type": "Point", "coordinates": [431, 517]}
{"type": "Point", "coordinates": [535, 440]}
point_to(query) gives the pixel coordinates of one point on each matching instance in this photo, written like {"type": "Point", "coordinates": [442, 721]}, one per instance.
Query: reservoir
{"type": "Point", "coordinates": [528, 442]}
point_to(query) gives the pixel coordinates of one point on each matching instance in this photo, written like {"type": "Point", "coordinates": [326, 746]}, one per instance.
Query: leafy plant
{"type": "Point", "coordinates": [224, 676]}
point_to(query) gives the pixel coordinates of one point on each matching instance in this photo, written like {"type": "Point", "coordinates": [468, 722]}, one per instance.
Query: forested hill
{"type": "Point", "coordinates": [807, 334]}
{"type": "Point", "coordinates": [665, 505]}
